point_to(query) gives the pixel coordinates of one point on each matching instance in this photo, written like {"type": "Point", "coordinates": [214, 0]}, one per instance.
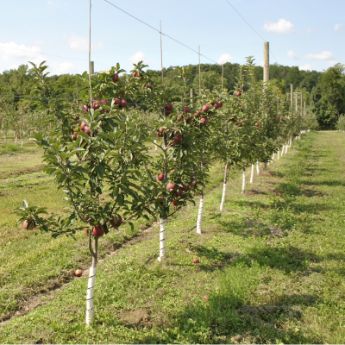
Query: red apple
{"type": "Point", "coordinates": [175, 202]}
{"type": "Point", "coordinates": [218, 104]}
{"type": "Point", "coordinates": [83, 124]}
{"type": "Point", "coordinates": [85, 108]}
{"type": "Point", "coordinates": [160, 177]}
{"type": "Point", "coordinates": [170, 187]}
{"type": "Point", "coordinates": [168, 108]}
{"type": "Point", "coordinates": [196, 261]}
{"type": "Point", "coordinates": [78, 272]}
{"type": "Point", "coordinates": [117, 101]}
{"type": "Point", "coordinates": [186, 109]}
{"type": "Point", "coordinates": [116, 77]}
{"type": "Point", "coordinates": [203, 120]}
{"type": "Point", "coordinates": [87, 130]}
{"type": "Point", "coordinates": [205, 108]}
{"type": "Point", "coordinates": [28, 224]}
{"type": "Point", "coordinates": [116, 221]}
{"type": "Point", "coordinates": [136, 74]}
{"type": "Point", "coordinates": [237, 93]}
{"type": "Point", "coordinates": [177, 139]}
{"type": "Point", "coordinates": [96, 105]}
{"type": "Point", "coordinates": [123, 103]}
{"type": "Point", "coordinates": [97, 231]}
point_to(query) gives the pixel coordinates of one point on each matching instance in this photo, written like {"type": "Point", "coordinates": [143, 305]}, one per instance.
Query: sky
{"type": "Point", "coordinates": [309, 34]}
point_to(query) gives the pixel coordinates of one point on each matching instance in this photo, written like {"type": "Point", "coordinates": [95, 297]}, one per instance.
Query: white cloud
{"type": "Point", "coordinates": [281, 26]}
{"type": "Point", "coordinates": [224, 58]}
{"type": "Point", "coordinates": [331, 62]}
{"type": "Point", "coordinates": [338, 27]}
{"type": "Point", "coordinates": [78, 43]}
{"type": "Point", "coordinates": [324, 55]}
{"type": "Point", "coordinates": [81, 43]}
{"type": "Point", "coordinates": [306, 67]}
{"type": "Point", "coordinates": [13, 54]}
{"type": "Point", "coordinates": [137, 56]}
{"type": "Point", "coordinates": [62, 67]}
{"type": "Point", "coordinates": [291, 54]}
{"type": "Point", "coordinates": [12, 50]}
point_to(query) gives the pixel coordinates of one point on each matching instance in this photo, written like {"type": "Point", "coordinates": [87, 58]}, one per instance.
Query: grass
{"type": "Point", "coordinates": [271, 266]}
{"type": "Point", "coordinates": [32, 262]}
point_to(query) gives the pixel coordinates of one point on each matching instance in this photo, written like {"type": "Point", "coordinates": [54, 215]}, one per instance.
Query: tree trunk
{"type": "Point", "coordinates": [257, 168]}
{"type": "Point", "coordinates": [89, 315]}
{"type": "Point", "coordinates": [199, 219]}
{"type": "Point", "coordinates": [252, 174]}
{"type": "Point", "coordinates": [162, 222]}
{"type": "Point", "coordinates": [243, 180]}
{"type": "Point", "coordinates": [225, 180]}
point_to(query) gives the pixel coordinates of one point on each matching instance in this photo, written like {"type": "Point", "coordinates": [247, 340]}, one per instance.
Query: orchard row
{"type": "Point", "coordinates": [140, 148]}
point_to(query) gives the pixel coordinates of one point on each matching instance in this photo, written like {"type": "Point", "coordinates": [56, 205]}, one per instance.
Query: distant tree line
{"type": "Point", "coordinates": [22, 113]}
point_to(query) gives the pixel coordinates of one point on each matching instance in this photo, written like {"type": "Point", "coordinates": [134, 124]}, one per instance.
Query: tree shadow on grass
{"type": "Point", "coordinates": [276, 174]}
{"type": "Point", "coordinates": [310, 193]}
{"type": "Point", "coordinates": [287, 259]}
{"type": "Point", "coordinates": [287, 190]}
{"type": "Point", "coordinates": [251, 204]}
{"type": "Point", "coordinates": [227, 318]}
{"type": "Point", "coordinates": [212, 259]}
{"type": "Point", "coordinates": [329, 183]}
{"type": "Point", "coordinates": [255, 191]}
{"type": "Point", "coordinates": [248, 227]}
{"type": "Point", "coordinates": [311, 208]}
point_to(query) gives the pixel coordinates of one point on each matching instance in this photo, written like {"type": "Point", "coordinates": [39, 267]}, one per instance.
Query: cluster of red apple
{"type": "Point", "coordinates": [100, 230]}
{"type": "Point", "coordinates": [120, 102]}
{"type": "Point", "coordinates": [203, 114]}
{"type": "Point", "coordinates": [176, 191]}
{"type": "Point", "coordinates": [174, 137]}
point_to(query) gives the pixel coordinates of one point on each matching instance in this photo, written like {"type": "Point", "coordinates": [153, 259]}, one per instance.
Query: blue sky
{"type": "Point", "coordinates": [305, 33]}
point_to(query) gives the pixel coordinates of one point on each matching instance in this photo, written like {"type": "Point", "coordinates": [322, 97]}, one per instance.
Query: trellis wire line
{"type": "Point", "coordinates": [248, 24]}
{"type": "Point", "coordinates": [157, 30]}
{"type": "Point", "coordinates": [245, 20]}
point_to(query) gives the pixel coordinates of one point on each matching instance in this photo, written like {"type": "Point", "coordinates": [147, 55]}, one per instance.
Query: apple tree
{"type": "Point", "coordinates": [99, 158]}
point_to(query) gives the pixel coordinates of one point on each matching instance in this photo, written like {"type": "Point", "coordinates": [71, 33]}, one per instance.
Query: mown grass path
{"type": "Point", "coordinates": [271, 268]}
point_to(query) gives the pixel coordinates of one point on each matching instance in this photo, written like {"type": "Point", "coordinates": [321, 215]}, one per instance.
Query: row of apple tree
{"type": "Point", "coordinates": [137, 149]}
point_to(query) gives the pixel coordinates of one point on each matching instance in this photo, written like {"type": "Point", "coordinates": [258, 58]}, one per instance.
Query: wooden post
{"type": "Point", "coordinates": [199, 71]}
{"type": "Point", "coordinates": [291, 97]}
{"type": "Point", "coordinates": [91, 68]}
{"type": "Point", "coordinates": [91, 64]}
{"type": "Point", "coordinates": [304, 108]}
{"type": "Point", "coordinates": [296, 101]}
{"type": "Point", "coordinates": [191, 97]}
{"type": "Point", "coordinates": [266, 62]}
{"type": "Point", "coordinates": [161, 49]}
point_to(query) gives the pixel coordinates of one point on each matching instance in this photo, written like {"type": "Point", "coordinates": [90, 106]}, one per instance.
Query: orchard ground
{"type": "Point", "coordinates": [271, 266]}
